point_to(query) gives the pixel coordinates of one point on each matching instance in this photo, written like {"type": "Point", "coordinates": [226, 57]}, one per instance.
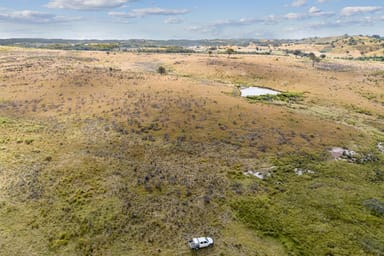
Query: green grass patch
{"type": "Point", "coordinates": [259, 214]}
{"type": "Point", "coordinates": [288, 97]}
{"type": "Point", "coordinates": [338, 210]}
{"type": "Point", "coordinates": [360, 110]}
{"type": "Point", "coordinates": [3, 120]}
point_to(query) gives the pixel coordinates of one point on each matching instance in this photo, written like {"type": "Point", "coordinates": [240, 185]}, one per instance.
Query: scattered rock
{"type": "Point", "coordinates": [366, 158]}
{"type": "Point", "coordinates": [258, 174]}
{"type": "Point", "coordinates": [342, 153]}
{"type": "Point", "coordinates": [380, 147]}
{"type": "Point", "coordinates": [337, 152]}
{"type": "Point", "coordinates": [351, 156]}
{"type": "Point", "coordinates": [300, 172]}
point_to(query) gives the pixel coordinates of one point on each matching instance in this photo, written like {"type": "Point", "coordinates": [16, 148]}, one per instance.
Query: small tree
{"type": "Point", "coordinates": [210, 53]}
{"type": "Point", "coordinates": [230, 51]}
{"type": "Point", "coordinates": [161, 70]}
{"type": "Point", "coordinates": [314, 58]}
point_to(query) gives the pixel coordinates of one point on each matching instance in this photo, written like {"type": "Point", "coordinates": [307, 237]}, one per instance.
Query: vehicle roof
{"type": "Point", "coordinates": [200, 239]}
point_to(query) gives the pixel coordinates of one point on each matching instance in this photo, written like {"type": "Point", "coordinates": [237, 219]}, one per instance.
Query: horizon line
{"type": "Point", "coordinates": [170, 39]}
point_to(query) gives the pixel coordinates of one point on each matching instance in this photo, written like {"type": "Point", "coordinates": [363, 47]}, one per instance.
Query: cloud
{"type": "Point", "coordinates": [239, 22]}
{"type": "Point", "coordinates": [312, 13]}
{"type": "Point", "coordinates": [364, 21]}
{"type": "Point", "coordinates": [203, 30]}
{"type": "Point", "coordinates": [216, 28]}
{"type": "Point", "coordinates": [173, 20]}
{"type": "Point", "coordinates": [86, 4]}
{"type": "Point", "coordinates": [353, 10]}
{"type": "Point", "coordinates": [298, 3]}
{"type": "Point", "coordinates": [322, 1]}
{"type": "Point", "coordinates": [218, 25]}
{"type": "Point", "coordinates": [295, 16]}
{"type": "Point", "coordinates": [28, 16]}
{"type": "Point", "coordinates": [136, 13]}
{"type": "Point", "coordinates": [316, 12]}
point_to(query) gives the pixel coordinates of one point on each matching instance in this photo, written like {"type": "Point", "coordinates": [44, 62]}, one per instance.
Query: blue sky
{"type": "Point", "coordinates": [182, 19]}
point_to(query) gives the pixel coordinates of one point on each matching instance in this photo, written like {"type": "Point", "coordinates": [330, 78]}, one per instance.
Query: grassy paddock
{"type": "Point", "coordinates": [125, 161]}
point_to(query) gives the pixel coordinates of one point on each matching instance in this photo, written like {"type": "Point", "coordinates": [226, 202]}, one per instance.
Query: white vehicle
{"type": "Point", "coordinates": [200, 242]}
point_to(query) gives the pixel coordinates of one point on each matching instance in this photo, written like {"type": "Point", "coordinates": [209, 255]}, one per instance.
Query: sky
{"type": "Point", "coordinates": [182, 19]}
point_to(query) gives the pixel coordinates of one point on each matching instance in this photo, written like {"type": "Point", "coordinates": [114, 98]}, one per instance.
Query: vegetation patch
{"type": "Point", "coordinates": [168, 49]}
{"type": "Point", "coordinates": [375, 206]}
{"type": "Point", "coordinates": [161, 70]}
{"type": "Point", "coordinates": [3, 120]}
{"type": "Point", "coordinates": [259, 214]}
{"type": "Point", "coordinates": [379, 73]}
{"type": "Point", "coordinates": [288, 97]}
{"type": "Point", "coordinates": [316, 214]}
{"type": "Point", "coordinates": [360, 110]}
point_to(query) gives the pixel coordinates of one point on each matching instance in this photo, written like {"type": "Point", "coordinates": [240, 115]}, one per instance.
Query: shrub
{"type": "Point", "coordinates": [373, 246]}
{"type": "Point", "coordinates": [28, 141]}
{"type": "Point", "coordinates": [161, 70]}
{"type": "Point", "coordinates": [375, 206]}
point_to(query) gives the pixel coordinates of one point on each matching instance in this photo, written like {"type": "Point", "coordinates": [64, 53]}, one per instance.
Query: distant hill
{"type": "Point", "coordinates": [339, 46]}
{"type": "Point", "coordinates": [139, 42]}
{"type": "Point", "coordinates": [357, 45]}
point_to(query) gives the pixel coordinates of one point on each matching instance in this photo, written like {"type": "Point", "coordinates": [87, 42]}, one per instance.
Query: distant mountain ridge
{"type": "Point", "coordinates": [346, 46]}
{"type": "Point", "coordinates": [139, 42]}
{"type": "Point", "coordinates": [180, 42]}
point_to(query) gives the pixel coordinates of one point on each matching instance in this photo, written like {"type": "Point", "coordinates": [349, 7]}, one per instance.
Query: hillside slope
{"type": "Point", "coordinates": [101, 155]}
